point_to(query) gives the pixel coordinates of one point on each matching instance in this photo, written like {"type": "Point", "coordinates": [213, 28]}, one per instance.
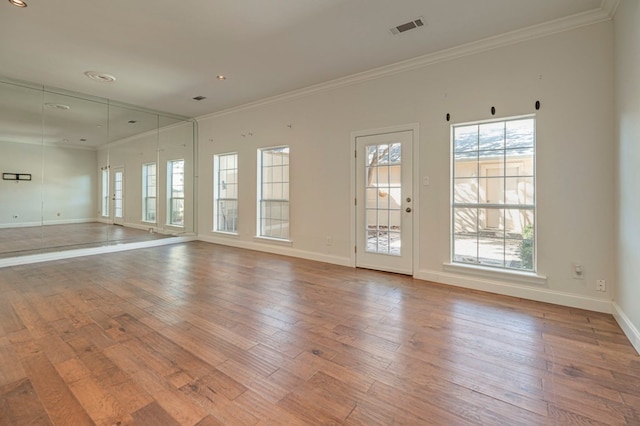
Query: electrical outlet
{"type": "Point", "coordinates": [601, 285]}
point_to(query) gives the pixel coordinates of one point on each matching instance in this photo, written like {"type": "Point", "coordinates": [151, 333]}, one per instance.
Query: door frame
{"type": "Point", "coordinates": [414, 128]}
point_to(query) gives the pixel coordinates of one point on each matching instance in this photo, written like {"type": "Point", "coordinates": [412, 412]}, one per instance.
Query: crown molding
{"type": "Point", "coordinates": [604, 13]}
{"type": "Point", "coordinates": [609, 7]}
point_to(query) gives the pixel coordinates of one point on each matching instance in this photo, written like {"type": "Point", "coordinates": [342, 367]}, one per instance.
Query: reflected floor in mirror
{"type": "Point", "coordinates": [51, 238]}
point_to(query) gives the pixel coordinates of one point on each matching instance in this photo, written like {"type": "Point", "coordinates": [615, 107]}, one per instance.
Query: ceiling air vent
{"type": "Point", "coordinates": [407, 26]}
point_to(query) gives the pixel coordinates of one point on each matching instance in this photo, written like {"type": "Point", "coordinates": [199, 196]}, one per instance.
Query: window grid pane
{"type": "Point", "coordinates": [493, 193]}
{"type": "Point", "coordinates": [149, 192]}
{"type": "Point", "coordinates": [274, 193]}
{"type": "Point", "coordinates": [225, 208]}
{"type": "Point", "coordinates": [118, 195]}
{"type": "Point", "coordinates": [384, 194]}
{"type": "Point", "coordinates": [176, 192]}
{"type": "Point", "coordinates": [105, 193]}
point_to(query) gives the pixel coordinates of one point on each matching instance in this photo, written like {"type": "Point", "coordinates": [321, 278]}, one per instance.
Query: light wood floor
{"type": "Point", "coordinates": [202, 334]}
{"type": "Point", "coordinates": [43, 239]}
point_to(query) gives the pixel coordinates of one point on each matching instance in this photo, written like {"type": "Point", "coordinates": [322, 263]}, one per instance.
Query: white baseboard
{"type": "Point", "coordinates": [144, 227]}
{"type": "Point", "coordinates": [46, 223]}
{"type": "Point", "coordinates": [517, 290]}
{"type": "Point", "coordinates": [276, 249]}
{"type": "Point", "coordinates": [69, 254]}
{"type": "Point", "coordinates": [20, 225]}
{"type": "Point", "coordinates": [630, 330]}
{"type": "Point", "coordinates": [69, 221]}
{"type": "Point", "coordinates": [176, 232]}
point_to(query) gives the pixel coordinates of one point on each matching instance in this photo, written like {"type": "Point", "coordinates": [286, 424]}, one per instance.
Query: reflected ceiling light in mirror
{"type": "Point", "coordinates": [100, 76]}
{"type": "Point", "coordinates": [62, 107]}
{"type": "Point", "coordinates": [18, 3]}
{"type": "Point", "coordinates": [221, 77]}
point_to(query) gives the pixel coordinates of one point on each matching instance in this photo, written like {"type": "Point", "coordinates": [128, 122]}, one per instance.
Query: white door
{"type": "Point", "coordinates": [384, 204]}
{"type": "Point", "coordinates": [118, 196]}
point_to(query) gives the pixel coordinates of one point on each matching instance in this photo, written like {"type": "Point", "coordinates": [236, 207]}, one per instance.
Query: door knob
{"type": "Point", "coordinates": [408, 210]}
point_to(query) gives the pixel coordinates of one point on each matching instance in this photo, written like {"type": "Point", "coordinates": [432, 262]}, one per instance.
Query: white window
{"type": "Point", "coordinates": [273, 192]}
{"type": "Point", "coordinates": [225, 193]}
{"type": "Point", "coordinates": [175, 189]}
{"type": "Point", "coordinates": [149, 192]}
{"type": "Point", "coordinates": [493, 194]}
{"type": "Point", "coordinates": [105, 193]}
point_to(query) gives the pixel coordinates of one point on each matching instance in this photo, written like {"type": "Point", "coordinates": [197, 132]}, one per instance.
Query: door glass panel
{"type": "Point", "coordinates": [384, 198]}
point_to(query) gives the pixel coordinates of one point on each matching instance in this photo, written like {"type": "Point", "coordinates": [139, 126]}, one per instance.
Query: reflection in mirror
{"type": "Point", "coordinates": [73, 128]}
{"type": "Point", "coordinates": [20, 152]}
{"type": "Point", "coordinates": [99, 172]}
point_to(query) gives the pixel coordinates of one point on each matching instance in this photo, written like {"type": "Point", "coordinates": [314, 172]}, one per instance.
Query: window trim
{"type": "Point", "coordinates": [170, 191]}
{"type": "Point", "coordinates": [526, 275]}
{"type": "Point", "coordinates": [259, 235]}
{"type": "Point", "coordinates": [145, 191]}
{"type": "Point", "coordinates": [105, 205]}
{"type": "Point", "coordinates": [216, 171]}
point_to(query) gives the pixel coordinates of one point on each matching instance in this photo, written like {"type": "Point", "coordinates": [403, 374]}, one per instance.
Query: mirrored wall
{"type": "Point", "coordinates": [80, 172]}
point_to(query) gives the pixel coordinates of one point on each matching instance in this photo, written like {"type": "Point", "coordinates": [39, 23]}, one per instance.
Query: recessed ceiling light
{"type": "Point", "coordinates": [18, 3]}
{"type": "Point", "coordinates": [57, 106]}
{"type": "Point", "coordinates": [83, 140]}
{"type": "Point", "coordinates": [221, 77]}
{"type": "Point", "coordinates": [199, 98]}
{"type": "Point", "coordinates": [100, 76]}
{"type": "Point", "coordinates": [132, 122]}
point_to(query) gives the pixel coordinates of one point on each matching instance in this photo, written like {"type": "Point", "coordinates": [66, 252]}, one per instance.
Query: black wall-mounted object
{"type": "Point", "coordinates": [448, 117]}
{"type": "Point", "coordinates": [537, 105]}
{"type": "Point", "coordinates": [16, 176]}
{"type": "Point", "coordinates": [493, 110]}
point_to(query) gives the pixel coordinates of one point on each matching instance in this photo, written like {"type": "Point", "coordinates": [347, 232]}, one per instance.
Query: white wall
{"type": "Point", "coordinates": [21, 203]}
{"type": "Point", "coordinates": [66, 195]}
{"type": "Point", "coordinates": [571, 73]}
{"type": "Point", "coordinates": [70, 178]}
{"type": "Point", "coordinates": [627, 77]}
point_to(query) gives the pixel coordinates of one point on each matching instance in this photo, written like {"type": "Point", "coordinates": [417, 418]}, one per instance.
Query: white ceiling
{"type": "Point", "coordinates": [163, 53]}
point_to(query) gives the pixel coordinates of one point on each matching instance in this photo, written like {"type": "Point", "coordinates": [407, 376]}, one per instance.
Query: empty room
{"type": "Point", "coordinates": [320, 212]}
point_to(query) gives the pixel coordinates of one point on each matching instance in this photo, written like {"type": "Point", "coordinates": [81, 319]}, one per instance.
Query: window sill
{"type": "Point", "coordinates": [224, 233]}
{"type": "Point", "coordinates": [273, 240]}
{"type": "Point", "coordinates": [148, 223]}
{"type": "Point", "coordinates": [174, 226]}
{"type": "Point", "coordinates": [497, 274]}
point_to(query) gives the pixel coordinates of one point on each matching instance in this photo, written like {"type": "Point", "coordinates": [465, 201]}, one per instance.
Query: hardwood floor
{"type": "Point", "coordinates": [199, 334]}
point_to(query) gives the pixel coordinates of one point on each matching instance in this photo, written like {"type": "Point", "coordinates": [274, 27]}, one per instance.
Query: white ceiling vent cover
{"type": "Point", "coordinates": [417, 23]}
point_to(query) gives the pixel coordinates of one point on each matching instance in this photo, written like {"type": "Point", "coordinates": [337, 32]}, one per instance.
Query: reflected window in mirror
{"type": "Point", "coordinates": [225, 187]}
{"type": "Point", "coordinates": [149, 192]}
{"type": "Point", "coordinates": [105, 193]}
{"type": "Point", "coordinates": [175, 172]}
